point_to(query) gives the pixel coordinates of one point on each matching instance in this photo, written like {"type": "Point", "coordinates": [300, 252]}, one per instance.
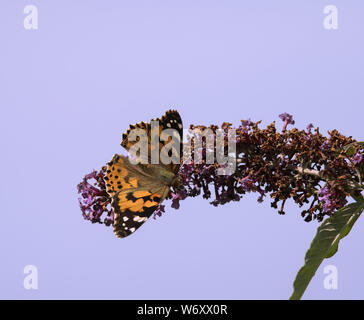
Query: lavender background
{"type": "Point", "coordinates": [70, 88]}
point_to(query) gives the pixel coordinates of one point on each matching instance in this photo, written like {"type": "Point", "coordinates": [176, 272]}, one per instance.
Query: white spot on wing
{"type": "Point", "coordinates": [139, 219]}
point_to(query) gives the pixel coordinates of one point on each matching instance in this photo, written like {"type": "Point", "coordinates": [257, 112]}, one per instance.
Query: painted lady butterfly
{"type": "Point", "coordinates": [138, 189]}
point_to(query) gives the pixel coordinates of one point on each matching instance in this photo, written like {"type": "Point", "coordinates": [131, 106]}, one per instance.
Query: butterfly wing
{"type": "Point", "coordinates": [170, 120]}
{"type": "Point", "coordinates": [122, 175]}
{"type": "Point", "coordinates": [132, 208]}
{"type": "Point", "coordinates": [135, 192]}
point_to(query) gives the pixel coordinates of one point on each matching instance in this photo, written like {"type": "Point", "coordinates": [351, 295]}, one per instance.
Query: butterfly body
{"type": "Point", "coordinates": [138, 189]}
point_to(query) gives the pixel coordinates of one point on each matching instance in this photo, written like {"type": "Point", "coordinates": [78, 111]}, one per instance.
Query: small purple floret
{"type": "Point", "coordinates": [287, 119]}
{"type": "Point", "coordinates": [176, 197]}
{"type": "Point", "coordinates": [324, 198]}
{"type": "Point", "coordinates": [325, 146]}
{"type": "Point", "coordinates": [309, 127]}
{"type": "Point", "coordinates": [158, 212]}
{"type": "Point", "coordinates": [358, 157]}
{"type": "Point", "coordinates": [247, 183]}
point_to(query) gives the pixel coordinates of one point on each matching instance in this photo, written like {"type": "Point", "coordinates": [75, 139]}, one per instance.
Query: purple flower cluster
{"type": "Point", "coordinates": [329, 200]}
{"type": "Point", "coordinates": [268, 163]}
{"type": "Point", "coordinates": [94, 200]}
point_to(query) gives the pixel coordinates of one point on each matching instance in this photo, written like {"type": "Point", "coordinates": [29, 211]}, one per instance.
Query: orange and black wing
{"type": "Point", "coordinates": [132, 208]}
{"type": "Point", "coordinates": [135, 193]}
{"type": "Point", "coordinates": [170, 120]}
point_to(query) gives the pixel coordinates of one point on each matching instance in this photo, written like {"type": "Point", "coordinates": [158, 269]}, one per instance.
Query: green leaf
{"type": "Point", "coordinates": [325, 244]}
{"type": "Point", "coordinates": [357, 196]}
{"type": "Point", "coordinates": [349, 148]}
